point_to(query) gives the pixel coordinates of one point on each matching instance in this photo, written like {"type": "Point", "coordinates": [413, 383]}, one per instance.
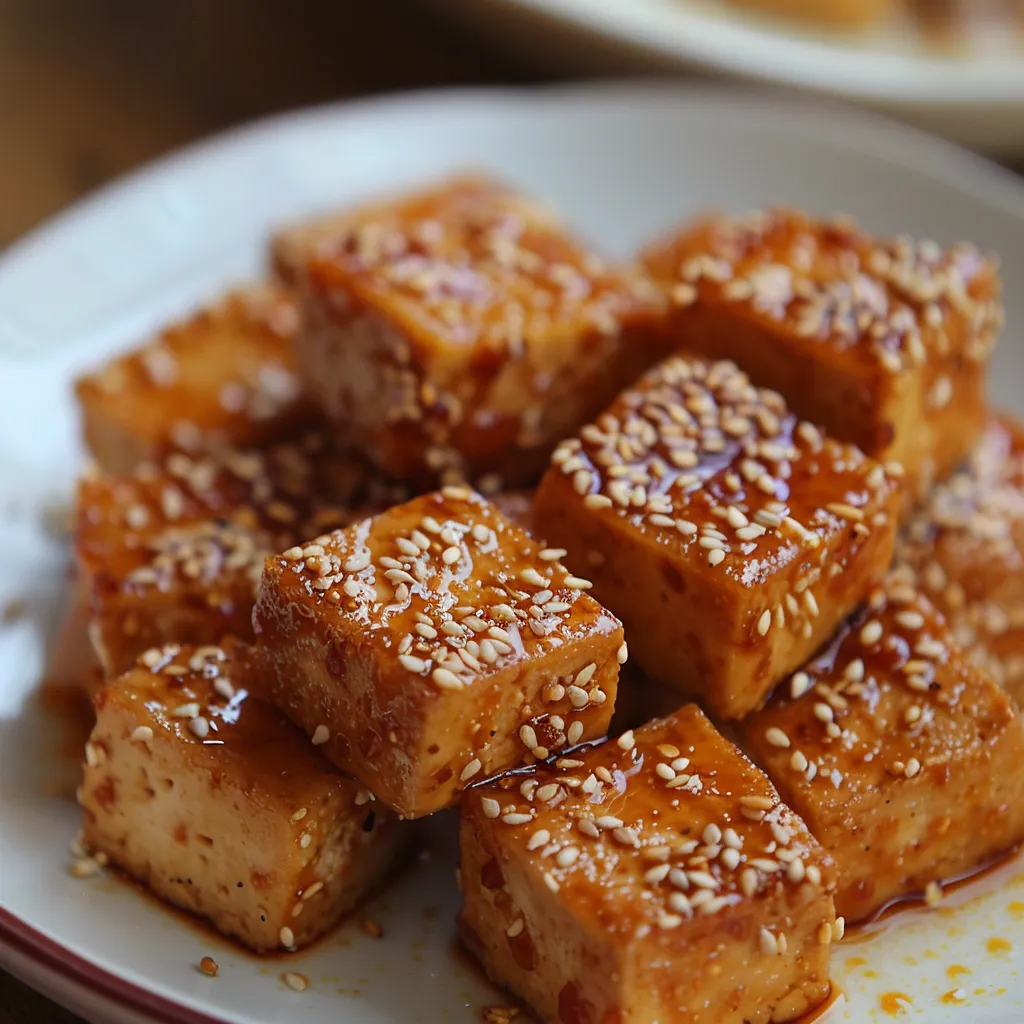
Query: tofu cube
{"type": "Point", "coordinates": [964, 548]}
{"type": "Point", "coordinates": [434, 645]}
{"type": "Point", "coordinates": [462, 332]}
{"type": "Point", "coordinates": [216, 803]}
{"type": "Point", "coordinates": [883, 343]}
{"type": "Point", "coordinates": [224, 377]}
{"type": "Point", "coordinates": [905, 761]}
{"type": "Point", "coordinates": [175, 552]}
{"type": "Point", "coordinates": [729, 537]}
{"type": "Point", "coordinates": [72, 666]}
{"type": "Point", "coordinates": [656, 877]}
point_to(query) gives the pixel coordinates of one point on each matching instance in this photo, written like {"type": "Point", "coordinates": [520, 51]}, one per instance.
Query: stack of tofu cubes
{"type": "Point", "coordinates": [324, 597]}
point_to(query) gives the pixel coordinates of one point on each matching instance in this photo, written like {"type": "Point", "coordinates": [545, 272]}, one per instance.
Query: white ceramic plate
{"type": "Point", "coordinates": [974, 96]}
{"type": "Point", "coordinates": [623, 162]}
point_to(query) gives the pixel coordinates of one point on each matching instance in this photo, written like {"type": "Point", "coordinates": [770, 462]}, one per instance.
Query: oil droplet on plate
{"type": "Point", "coordinates": [997, 945]}
{"type": "Point", "coordinates": [1016, 909]}
{"type": "Point", "coordinates": [895, 1003]}
{"type": "Point", "coordinates": [954, 971]}
{"type": "Point", "coordinates": [954, 996]}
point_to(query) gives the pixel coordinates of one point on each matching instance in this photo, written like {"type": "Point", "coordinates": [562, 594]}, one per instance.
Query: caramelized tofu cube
{"type": "Point", "coordinates": [219, 805]}
{"type": "Point", "coordinates": [224, 377]}
{"type": "Point", "coordinates": [434, 645]}
{"type": "Point", "coordinates": [730, 538]}
{"type": "Point", "coordinates": [462, 332]}
{"type": "Point", "coordinates": [175, 553]}
{"type": "Point", "coordinates": [964, 548]}
{"type": "Point", "coordinates": [905, 761]}
{"type": "Point", "coordinates": [72, 664]}
{"type": "Point", "coordinates": [652, 878]}
{"type": "Point", "coordinates": [885, 344]}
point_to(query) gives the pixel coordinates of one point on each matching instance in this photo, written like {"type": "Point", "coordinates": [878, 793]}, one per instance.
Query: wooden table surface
{"type": "Point", "coordinates": [89, 90]}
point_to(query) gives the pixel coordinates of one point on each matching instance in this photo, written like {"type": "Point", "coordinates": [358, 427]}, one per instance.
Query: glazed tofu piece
{"type": "Point", "coordinates": [434, 645]}
{"type": "Point", "coordinates": [216, 803]}
{"type": "Point", "coordinates": [964, 548]}
{"type": "Point", "coordinates": [729, 537]}
{"type": "Point", "coordinates": [905, 761]}
{"type": "Point", "coordinates": [883, 343]}
{"type": "Point", "coordinates": [72, 664]}
{"type": "Point", "coordinates": [175, 552]}
{"type": "Point", "coordinates": [461, 332]}
{"type": "Point", "coordinates": [656, 877]}
{"type": "Point", "coordinates": [224, 377]}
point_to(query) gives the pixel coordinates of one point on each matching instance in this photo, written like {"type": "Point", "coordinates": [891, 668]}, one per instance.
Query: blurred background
{"type": "Point", "coordinates": [92, 88]}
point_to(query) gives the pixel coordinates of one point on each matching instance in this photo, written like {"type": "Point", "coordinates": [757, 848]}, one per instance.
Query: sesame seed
{"type": "Point", "coordinates": [757, 803]}
{"type": "Point", "coordinates": [933, 894]}
{"type": "Point", "coordinates": [142, 734]}
{"type": "Point", "coordinates": [200, 727]}
{"type": "Point", "coordinates": [608, 821]}
{"type": "Point", "coordinates": [516, 818]}
{"type": "Point", "coordinates": [871, 633]}
{"type": "Point", "coordinates": [800, 684]}
{"type": "Point", "coordinates": [776, 737]}
{"type": "Point", "coordinates": [321, 735]}
{"type": "Point", "coordinates": [551, 882]}
{"type": "Point", "coordinates": [287, 937]}
{"type": "Point", "coordinates": [716, 556]}
{"type": "Point", "coordinates": [296, 982]}
{"type": "Point", "coordinates": [567, 856]}
{"type": "Point", "coordinates": [838, 929]}
{"type": "Point", "coordinates": [575, 733]}
{"type": "Point", "coordinates": [596, 501]}
{"type": "Point", "coordinates": [764, 622]}
{"type": "Point", "coordinates": [190, 710]}
{"type": "Point", "coordinates": [529, 736]}
{"type": "Point", "coordinates": [446, 679]}
{"type": "Point", "coordinates": [576, 583]}
{"type": "Point", "coordinates": [490, 807]}
{"type": "Point", "coordinates": [626, 836]}
{"type": "Point", "coordinates": [471, 769]}
{"type": "Point", "coordinates": [626, 741]}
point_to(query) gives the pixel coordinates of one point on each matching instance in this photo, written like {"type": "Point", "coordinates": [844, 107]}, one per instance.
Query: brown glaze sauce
{"type": "Point", "coordinates": [887, 915]}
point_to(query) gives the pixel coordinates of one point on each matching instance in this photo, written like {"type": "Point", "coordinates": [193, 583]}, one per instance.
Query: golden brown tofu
{"type": "Point", "coordinates": [730, 538]}
{"type": "Point", "coordinates": [433, 645]}
{"type": "Point", "coordinates": [964, 547]}
{"type": "Point", "coordinates": [218, 804]}
{"type": "Point", "coordinates": [174, 553]}
{"type": "Point", "coordinates": [905, 761]}
{"type": "Point", "coordinates": [72, 663]}
{"type": "Point", "coordinates": [656, 877]}
{"type": "Point", "coordinates": [462, 332]}
{"type": "Point", "coordinates": [224, 377]}
{"type": "Point", "coordinates": [884, 344]}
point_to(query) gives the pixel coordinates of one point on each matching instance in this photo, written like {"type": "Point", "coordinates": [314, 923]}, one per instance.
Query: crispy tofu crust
{"type": "Point", "coordinates": [653, 877]}
{"type": "Point", "coordinates": [218, 804]}
{"type": "Point", "coordinates": [462, 332]}
{"type": "Point", "coordinates": [224, 377]}
{"type": "Point", "coordinates": [964, 547]}
{"type": "Point", "coordinates": [730, 538]}
{"type": "Point", "coordinates": [885, 344]}
{"type": "Point", "coordinates": [433, 645]}
{"type": "Point", "coordinates": [905, 761]}
{"type": "Point", "coordinates": [175, 552]}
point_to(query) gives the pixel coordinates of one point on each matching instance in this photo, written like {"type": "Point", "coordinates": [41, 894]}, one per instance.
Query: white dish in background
{"type": "Point", "coordinates": [624, 163]}
{"type": "Point", "coordinates": [974, 96]}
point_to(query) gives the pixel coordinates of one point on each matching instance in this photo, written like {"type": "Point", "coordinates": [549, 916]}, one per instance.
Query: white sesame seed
{"type": "Point", "coordinates": [296, 982]}
{"type": "Point", "coordinates": [664, 771]}
{"type": "Point", "coordinates": [539, 838]}
{"type": "Point", "coordinates": [516, 818]}
{"type": "Point", "coordinates": [446, 679]}
{"type": "Point", "coordinates": [608, 821]}
{"type": "Point", "coordinates": [142, 734]}
{"type": "Point", "coordinates": [626, 741]}
{"type": "Point", "coordinates": [471, 769]}
{"type": "Point", "coordinates": [567, 856]}
{"type": "Point", "coordinates": [626, 836]}
{"type": "Point", "coordinates": [776, 737]}
{"type": "Point", "coordinates": [321, 735]}
{"type": "Point", "coordinates": [871, 633]}
{"type": "Point", "coordinates": [764, 622]}
{"type": "Point", "coordinates": [287, 937]}
{"type": "Point", "coordinates": [576, 583]}
{"type": "Point", "coordinates": [575, 733]}
{"type": "Point", "coordinates": [716, 556]}
{"type": "Point", "coordinates": [490, 807]}
{"type": "Point", "coordinates": [200, 727]}
{"type": "Point", "coordinates": [190, 710]}
{"type": "Point", "coordinates": [529, 736]}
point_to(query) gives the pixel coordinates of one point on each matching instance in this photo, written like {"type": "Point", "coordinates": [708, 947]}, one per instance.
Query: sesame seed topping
{"type": "Point", "coordinates": [321, 735]}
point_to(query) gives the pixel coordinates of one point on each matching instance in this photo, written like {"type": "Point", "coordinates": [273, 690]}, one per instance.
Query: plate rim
{"type": "Point", "coordinates": [970, 174]}
{"type": "Point", "coordinates": [795, 58]}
